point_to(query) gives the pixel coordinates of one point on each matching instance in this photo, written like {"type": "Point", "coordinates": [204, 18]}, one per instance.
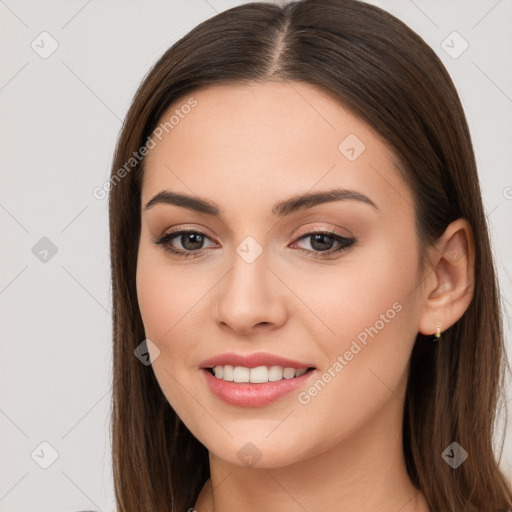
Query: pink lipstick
{"type": "Point", "coordinates": [254, 380]}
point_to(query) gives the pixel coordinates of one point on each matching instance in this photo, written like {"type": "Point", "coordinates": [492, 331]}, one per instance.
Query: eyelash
{"type": "Point", "coordinates": [345, 242]}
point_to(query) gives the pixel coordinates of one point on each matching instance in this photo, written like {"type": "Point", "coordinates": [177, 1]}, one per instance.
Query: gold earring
{"type": "Point", "coordinates": [437, 335]}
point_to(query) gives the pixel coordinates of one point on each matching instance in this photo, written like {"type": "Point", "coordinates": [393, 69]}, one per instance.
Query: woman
{"type": "Point", "coordinates": [301, 264]}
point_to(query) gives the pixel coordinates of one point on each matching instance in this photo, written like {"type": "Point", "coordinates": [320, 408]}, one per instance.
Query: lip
{"type": "Point", "coordinates": [246, 394]}
{"type": "Point", "coordinates": [253, 361]}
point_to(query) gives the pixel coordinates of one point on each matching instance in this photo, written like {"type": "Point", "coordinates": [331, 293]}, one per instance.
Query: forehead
{"type": "Point", "coordinates": [272, 139]}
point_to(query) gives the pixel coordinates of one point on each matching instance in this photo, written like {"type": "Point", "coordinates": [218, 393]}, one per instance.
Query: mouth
{"type": "Point", "coordinates": [254, 380]}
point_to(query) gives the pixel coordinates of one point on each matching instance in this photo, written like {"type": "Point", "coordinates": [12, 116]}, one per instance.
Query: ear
{"type": "Point", "coordinates": [449, 285]}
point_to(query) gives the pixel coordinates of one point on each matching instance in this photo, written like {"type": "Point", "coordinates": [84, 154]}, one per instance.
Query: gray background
{"type": "Point", "coordinates": [60, 117]}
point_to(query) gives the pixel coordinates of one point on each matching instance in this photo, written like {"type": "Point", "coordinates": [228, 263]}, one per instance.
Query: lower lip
{"type": "Point", "coordinates": [246, 394]}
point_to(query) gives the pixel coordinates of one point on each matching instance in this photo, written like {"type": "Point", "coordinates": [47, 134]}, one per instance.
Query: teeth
{"type": "Point", "coordinates": [275, 373]}
{"type": "Point", "coordinates": [241, 374]}
{"type": "Point", "coordinates": [289, 373]}
{"type": "Point", "coordinates": [256, 375]}
{"type": "Point", "coordinates": [227, 373]}
{"type": "Point", "coordinates": [259, 374]}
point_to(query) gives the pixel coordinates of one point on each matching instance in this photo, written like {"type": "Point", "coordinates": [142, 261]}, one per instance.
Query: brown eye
{"type": "Point", "coordinates": [190, 241]}
{"type": "Point", "coordinates": [322, 242]}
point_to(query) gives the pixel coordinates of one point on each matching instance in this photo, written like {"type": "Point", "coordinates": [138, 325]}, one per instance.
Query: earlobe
{"type": "Point", "coordinates": [450, 289]}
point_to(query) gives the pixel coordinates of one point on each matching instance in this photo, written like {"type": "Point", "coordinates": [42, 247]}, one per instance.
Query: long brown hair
{"type": "Point", "coordinates": [388, 76]}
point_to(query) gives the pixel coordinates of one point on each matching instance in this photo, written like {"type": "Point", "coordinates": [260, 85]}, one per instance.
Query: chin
{"type": "Point", "coordinates": [257, 452]}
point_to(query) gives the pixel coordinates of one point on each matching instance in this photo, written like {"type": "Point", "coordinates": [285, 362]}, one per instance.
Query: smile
{"type": "Point", "coordinates": [254, 380]}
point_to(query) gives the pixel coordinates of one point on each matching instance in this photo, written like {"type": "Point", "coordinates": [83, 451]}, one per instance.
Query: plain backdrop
{"type": "Point", "coordinates": [68, 73]}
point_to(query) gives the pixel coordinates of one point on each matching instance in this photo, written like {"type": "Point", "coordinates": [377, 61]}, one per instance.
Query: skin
{"type": "Point", "coordinates": [245, 148]}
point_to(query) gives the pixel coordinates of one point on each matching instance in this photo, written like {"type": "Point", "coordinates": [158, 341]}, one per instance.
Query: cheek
{"type": "Point", "coordinates": [167, 303]}
{"type": "Point", "coordinates": [368, 292]}
{"type": "Point", "coordinates": [174, 302]}
{"type": "Point", "coordinates": [164, 294]}
{"type": "Point", "coordinates": [367, 326]}
{"type": "Point", "coordinates": [371, 313]}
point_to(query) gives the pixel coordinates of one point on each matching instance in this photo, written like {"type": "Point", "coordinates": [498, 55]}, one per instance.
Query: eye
{"type": "Point", "coordinates": [191, 242]}
{"type": "Point", "coordinates": [322, 243]}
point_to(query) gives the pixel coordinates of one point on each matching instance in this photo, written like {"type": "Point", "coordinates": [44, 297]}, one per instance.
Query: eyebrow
{"type": "Point", "coordinates": [280, 209]}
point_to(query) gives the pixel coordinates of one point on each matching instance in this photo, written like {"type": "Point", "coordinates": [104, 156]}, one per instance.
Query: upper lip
{"type": "Point", "coordinates": [252, 361]}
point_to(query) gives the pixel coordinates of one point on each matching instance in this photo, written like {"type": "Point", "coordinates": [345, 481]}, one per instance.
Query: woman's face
{"type": "Point", "coordinates": [331, 285]}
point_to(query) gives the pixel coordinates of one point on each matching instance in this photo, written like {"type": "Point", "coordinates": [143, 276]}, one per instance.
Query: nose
{"type": "Point", "coordinates": [251, 298]}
